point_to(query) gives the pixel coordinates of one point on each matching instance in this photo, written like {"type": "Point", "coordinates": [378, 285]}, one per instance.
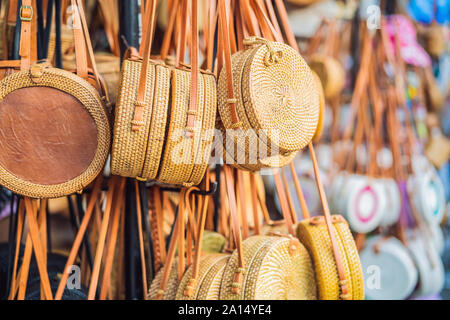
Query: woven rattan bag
{"type": "Point", "coordinates": [58, 140]}
{"type": "Point", "coordinates": [330, 72]}
{"type": "Point", "coordinates": [278, 94]}
{"type": "Point", "coordinates": [158, 139]}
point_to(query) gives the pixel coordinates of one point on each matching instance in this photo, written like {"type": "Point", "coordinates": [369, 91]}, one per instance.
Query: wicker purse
{"type": "Point", "coordinates": [152, 139]}
{"type": "Point", "coordinates": [267, 267]}
{"type": "Point", "coordinates": [39, 162]}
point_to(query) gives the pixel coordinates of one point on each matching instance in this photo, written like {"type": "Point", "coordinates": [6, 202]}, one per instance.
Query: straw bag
{"type": "Point", "coordinates": [330, 72]}
{"type": "Point", "coordinates": [266, 267]}
{"type": "Point", "coordinates": [58, 140]}
{"type": "Point", "coordinates": [152, 139]}
{"type": "Point", "coordinates": [303, 2]}
{"type": "Point", "coordinates": [278, 94]}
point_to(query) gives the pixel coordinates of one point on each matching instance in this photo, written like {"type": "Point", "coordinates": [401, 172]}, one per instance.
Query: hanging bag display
{"type": "Point", "coordinates": [57, 141]}
{"type": "Point", "coordinates": [165, 114]}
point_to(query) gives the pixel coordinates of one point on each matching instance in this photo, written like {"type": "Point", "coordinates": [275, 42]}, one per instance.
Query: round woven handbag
{"type": "Point", "coordinates": [330, 72]}
{"type": "Point", "coordinates": [57, 141]}
{"type": "Point", "coordinates": [274, 92]}
{"type": "Point", "coordinates": [164, 116]}
{"type": "Point", "coordinates": [277, 268]}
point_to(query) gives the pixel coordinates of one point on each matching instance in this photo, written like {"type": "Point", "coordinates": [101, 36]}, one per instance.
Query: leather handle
{"type": "Point", "coordinates": [145, 51]}
{"type": "Point", "coordinates": [239, 274]}
{"type": "Point", "coordinates": [226, 54]}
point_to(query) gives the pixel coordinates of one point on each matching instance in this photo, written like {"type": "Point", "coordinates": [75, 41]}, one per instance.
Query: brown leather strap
{"type": "Point", "coordinates": [102, 235]}
{"type": "Point", "coordinates": [38, 250]}
{"type": "Point", "coordinates": [239, 274]}
{"type": "Point", "coordinates": [27, 15]}
{"type": "Point", "coordinates": [226, 54]}
{"type": "Point", "coordinates": [169, 30]}
{"type": "Point", "coordinates": [79, 237]}
{"type": "Point", "coordinates": [111, 245]}
{"type": "Point", "coordinates": [20, 222]}
{"type": "Point", "coordinates": [176, 235]}
{"type": "Point", "coordinates": [283, 201]}
{"type": "Point", "coordinates": [190, 287]}
{"type": "Point", "coordinates": [141, 239]}
{"type": "Point", "coordinates": [145, 51]}
{"type": "Point", "coordinates": [289, 197]}
{"type": "Point", "coordinates": [254, 200]}
{"type": "Point", "coordinates": [193, 97]}
{"type": "Point", "coordinates": [241, 196]}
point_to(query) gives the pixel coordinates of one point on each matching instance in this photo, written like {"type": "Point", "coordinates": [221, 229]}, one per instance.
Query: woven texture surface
{"type": "Point", "coordinates": [271, 272]}
{"type": "Point", "coordinates": [316, 239]}
{"type": "Point", "coordinates": [281, 98]}
{"type": "Point", "coordinates": [178, 155]}
{"type": "Point", "coordinates": [129, 147]}
{"type": "Point", "coordinates": [90, 99]}
{"type": "Point", "coordinates": [207, 262]}
{"type": "Point", "coordinates": [172, 284]}
{"type": "Point", "coordinates": [210, 285]}
{"type": "Point", "coordinates": [203, 152]}
{"type": "Point", "coordinates": [238, 145]}
{"type": "Point", "coordinates": [158, 124]}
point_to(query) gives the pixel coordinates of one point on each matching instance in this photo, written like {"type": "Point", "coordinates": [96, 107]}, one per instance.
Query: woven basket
{"type": "Point", "coordinates": [313, 234]}
{"type": "Point", "coordinates": [276, 268]}
{"type": "Point", "coordinates": [171, 288]}
{"type": "Point", "coordinates": [322, 106]}
{"type": "Point", "coordinates": [241, 144]}
{"type": "Point", "coordinates": [207, 272]}
{"type": "Point", "coordinates": [179, 152]}
{"type": "Point", "coordinates": [46, 178]}
{"type": "Point", "coordinates": [275, 95]}
{"type": "Point", "coordinates": [330, 72]}
{"type": "Point", "coordinates": [303, 2]}
{"type": "Point", "coordinates": [209, 288]}
{"type": "Point", "coordinates": [129, 147]}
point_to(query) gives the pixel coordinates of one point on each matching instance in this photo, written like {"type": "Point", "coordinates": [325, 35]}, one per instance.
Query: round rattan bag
{"type": "Point", "coordinates": [330, 72]}
{"type": "Point", "coordinates": [279, 97]}
{"type": "Point", "coordinates": [54, 132]}
{"type": "Point", "coordinates": [276, 268]}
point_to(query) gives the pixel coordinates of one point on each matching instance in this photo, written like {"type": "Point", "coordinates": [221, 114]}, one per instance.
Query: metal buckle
{"type": "Point", "coordinates": [22, 18]}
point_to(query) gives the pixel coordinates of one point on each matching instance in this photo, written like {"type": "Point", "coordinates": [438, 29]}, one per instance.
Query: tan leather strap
{"type": "Point", "coordinates": [145, 51]}
{"type": "Point", "coordinates": [111, 245]}
{"type": "Point", "coordinates": [190, 287]}
{"type": "Point", "coordinates": [31, 211]}
{"type": "Point", "coordinates": [343, 283]}
{"type": "Point", "coordinates": [141, 239]}
{"type": "Point", "coordinates": [193, 97]}
{"type": "Point", "coordinates": [27, 15]}
{"type": "Point", "coordinates": [287, 216]}
{"type": "Point", "coordinates": [176, 236]}
{"type": "Point", "coordinates": [241, 196]}
{"type": "Point", "coordinates": [20, 221]}
{"type": "Point", "coordinates": [226, 54]}
{"type": "Point", "coordinates": [239, 274]}
{"type": "Point", "coordinates": [254, 200]}
{"type": "Point", "coordinates": [156, 215]}
{"type": "Point", "coordinates": [169, 30]}
{"type": "Point", "coordinates": [102, 235]}
{"type": "Point", "coordinates": [289, 197]}
{"type": "Point", "coordinates": [79, 237]}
